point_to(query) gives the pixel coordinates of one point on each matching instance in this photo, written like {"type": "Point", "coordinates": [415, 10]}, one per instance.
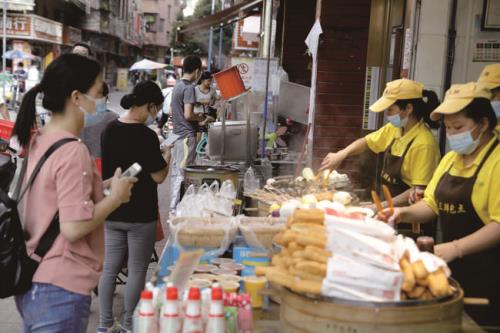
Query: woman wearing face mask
{"type": "Point", "coordinates": [411, 153]}
{"type": "Point", "coordinates": [68, 184]}
{"type": "Point", "coordinates": [490, 77]}
{"type": "Point", "coordinates": [96, 123]}
{"type": "Point", "coordinates": [132, 228]}
{"type": "Point", "coordinates": [463, 193]}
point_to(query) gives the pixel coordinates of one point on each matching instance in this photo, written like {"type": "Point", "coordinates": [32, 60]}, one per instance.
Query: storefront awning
{"type": "Point", "coordinates": [222, 17]}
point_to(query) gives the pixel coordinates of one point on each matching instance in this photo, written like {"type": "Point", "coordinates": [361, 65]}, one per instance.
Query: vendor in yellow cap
{"type": "Point", "coordinates": [411, 153]}
{"type": "Point", "coordinates": [490, 77]}
{"type": "Point", "coordinates": [465, 193]}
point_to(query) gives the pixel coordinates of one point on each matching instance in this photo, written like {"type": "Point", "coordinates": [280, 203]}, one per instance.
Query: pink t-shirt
{"type": "Point", "coordinates": [69, 183]}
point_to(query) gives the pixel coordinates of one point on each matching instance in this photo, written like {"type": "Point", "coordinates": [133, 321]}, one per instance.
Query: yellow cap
{"type": "Point", "coordinates": [490, 76]}
{"type": "Point", "coordinates": [396, 90]}
{"type": "Point", "coordinates": [458, 97]}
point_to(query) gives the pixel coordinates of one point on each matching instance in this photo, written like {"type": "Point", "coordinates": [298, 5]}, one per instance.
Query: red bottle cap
{"type": "Point", "coordinates": [172, 294]}
{"type": "Point", "coordinates": [146, 294]}
{"type": "Point", "coordinates": [217, 294]}
{"type": "Point", "coordinates": [194, 294]}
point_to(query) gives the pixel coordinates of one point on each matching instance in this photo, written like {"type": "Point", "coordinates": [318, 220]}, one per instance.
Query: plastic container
{"type": "Point", "coordinates": [230, 83]}
{"type": "Point", "coordinates": [145, 321]}
{"type": "Point", "coordinates": [216, 321]}
{"type": "Point", "coordinates": [193, 323]}
{"type": "Point", "coordinates": [170, 321]}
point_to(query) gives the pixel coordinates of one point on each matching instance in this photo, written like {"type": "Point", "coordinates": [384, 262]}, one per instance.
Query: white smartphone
{"type": "Point", "coordinates": [132, 171]}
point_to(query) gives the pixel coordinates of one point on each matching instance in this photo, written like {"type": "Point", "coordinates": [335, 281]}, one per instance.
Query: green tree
{"type": "Point", "coordinates": [197, 42]}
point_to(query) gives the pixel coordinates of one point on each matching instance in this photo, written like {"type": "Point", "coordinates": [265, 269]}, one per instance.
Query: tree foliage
{"type": "Point", "coordinates": [197, 42]}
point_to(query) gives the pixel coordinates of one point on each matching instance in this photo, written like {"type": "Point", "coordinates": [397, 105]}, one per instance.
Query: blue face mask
{"type": "Point", "coordinates": [101, 105]}
{"type": "Point", "coordinates": [463, 143]}
{"type": "Point", "coordinates": [396, 120]}
{"type": "Point", "coordinates": [496, 107]}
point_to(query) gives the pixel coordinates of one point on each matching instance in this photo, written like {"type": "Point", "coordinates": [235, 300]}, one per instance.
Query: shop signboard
{"type": "Point", "coordinates": [47, 30]}
{"type": "Point", "coordinates": [33, 27]}
{"type": "Point", "coordinates": [122, 79]}
{"type": "Point", "coordinates": [253, 73]}
{"type": "Point", "coordinates": [17, 26]}
{"type": "Point", "coordinates": [71, 35]}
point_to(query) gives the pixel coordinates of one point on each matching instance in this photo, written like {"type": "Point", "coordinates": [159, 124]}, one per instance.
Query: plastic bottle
{"type": "Point", "coordinates": [216, 321]}
{"type": "Point", "coordinates": [145, 321]}
{"type": "Point", "coordinates": [193, 322]}
{"type": "Point", "coordinates": [171, 321]}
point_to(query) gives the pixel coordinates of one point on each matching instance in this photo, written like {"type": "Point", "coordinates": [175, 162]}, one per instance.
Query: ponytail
{"type": "Point", "coordinates": [422, 107]}
{"type": "Point", "coordinates": [26, 117]}
{"type": "Point", "coordinates": [431, 102]}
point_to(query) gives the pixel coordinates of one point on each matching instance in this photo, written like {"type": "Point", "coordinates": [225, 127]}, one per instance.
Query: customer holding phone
{"type": "Point", "coordinates": [132, 228]}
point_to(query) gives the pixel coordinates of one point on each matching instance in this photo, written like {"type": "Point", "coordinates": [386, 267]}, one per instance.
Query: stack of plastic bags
{"type": "Point", "coordinates": [208, 200]}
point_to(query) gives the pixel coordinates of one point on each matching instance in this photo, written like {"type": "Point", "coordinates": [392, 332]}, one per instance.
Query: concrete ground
{"type": "Point", "coordinates": [10, 320]}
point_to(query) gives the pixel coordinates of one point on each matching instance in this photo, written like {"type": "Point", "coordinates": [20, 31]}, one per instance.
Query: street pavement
{"type": "Point", "coordinates": [10, 321]}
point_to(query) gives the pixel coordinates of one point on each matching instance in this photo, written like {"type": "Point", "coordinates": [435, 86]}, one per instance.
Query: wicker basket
{"type": "Point", "coordinates": [259, 232]}
{"type": "Point", "coordinates": [198, 232]}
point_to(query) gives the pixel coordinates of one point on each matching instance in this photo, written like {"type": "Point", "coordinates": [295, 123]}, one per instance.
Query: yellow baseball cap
{"type": "Point", "coordinates": [458, 97]}
{"type": "Point", "coordinates": [490, 76]}
{"type": "Point", "coordinates": [396, 90]}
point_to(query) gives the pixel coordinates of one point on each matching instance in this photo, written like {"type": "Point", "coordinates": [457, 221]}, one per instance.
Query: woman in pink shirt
{"type": "Point", "coordinates": [68, 184]}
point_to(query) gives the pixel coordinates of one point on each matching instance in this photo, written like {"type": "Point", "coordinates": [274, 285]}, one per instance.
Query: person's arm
{"type": "Point", "coordinates": [333, 160]}
{"type": "Point", "coordinates": [121, 188]}
{"type": "Point", "coordinates": [159, 176]}
{"type": "Point", "coordinates": [480, 240]}
{"type": "Point", "coordinates": [190, 115]}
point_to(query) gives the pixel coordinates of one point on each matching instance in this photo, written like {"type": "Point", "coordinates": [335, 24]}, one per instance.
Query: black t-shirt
{"type": "Point", "coordinates": [122, 145]}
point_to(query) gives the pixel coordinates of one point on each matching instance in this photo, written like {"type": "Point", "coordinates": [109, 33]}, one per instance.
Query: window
{"type": "Point", "coordinates": [169, 13]}
{"type": "Point", "coordinates": [151, 21]}
{"type": "Point", "coordinates": [161, 28]}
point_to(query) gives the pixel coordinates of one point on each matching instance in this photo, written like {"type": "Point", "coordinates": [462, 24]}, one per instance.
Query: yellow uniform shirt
{"type": "Point", "coordinates": [486, 191]}
{"type": "Point", "coordinates": [422, 157]}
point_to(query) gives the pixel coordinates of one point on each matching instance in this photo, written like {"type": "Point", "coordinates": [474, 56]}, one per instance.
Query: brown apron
{"type": "Point", "coordinates": [391, 170]}
{"type": "Point", "coordinates": [478, 274]}
{"type": "Point", "coordinates": [391, 177]}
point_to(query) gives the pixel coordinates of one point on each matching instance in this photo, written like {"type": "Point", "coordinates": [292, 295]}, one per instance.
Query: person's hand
{"type": "Point", "coordinates": [416, 194]}
{"type": "Point", "coordinates": [447, 251]}
{"type": "Point", "coordinates": [332, 161]}
{"type": "Point", "coordinates": [371, 206]}
{"type": "Point", "coordinates": [390, 218]}
{"type": "Point", "coordinates": [167, 153]}
{"type": "Point", "coordinates": [121, 187]}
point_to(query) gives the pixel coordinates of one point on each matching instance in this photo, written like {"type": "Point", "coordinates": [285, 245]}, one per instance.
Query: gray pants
{"type": "Point", "coordinates": [136, 239]}
{"type": "Point", "coordinates": [183, 154]}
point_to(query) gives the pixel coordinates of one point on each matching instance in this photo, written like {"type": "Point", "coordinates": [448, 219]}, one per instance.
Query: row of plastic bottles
{"type": "Point", "coordinates": [174, 319]}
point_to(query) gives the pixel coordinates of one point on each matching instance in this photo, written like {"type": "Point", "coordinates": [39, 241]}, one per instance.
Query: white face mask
{"type": "Point", "coordinates": [496, 107]}
{"type": "Point", "coordinates": [463, 143]}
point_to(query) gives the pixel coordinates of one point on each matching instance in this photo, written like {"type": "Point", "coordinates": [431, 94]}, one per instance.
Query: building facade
{"type": "Point", "coordinates": [159, 17]}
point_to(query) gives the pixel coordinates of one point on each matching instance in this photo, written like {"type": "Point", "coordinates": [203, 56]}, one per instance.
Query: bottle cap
{"type": "Point", "coordinates": [194, 294]}
{"type": "Point", "coordinates": [172, 294]}
{"type": "Point", "coordinates": [147, 294]}
{"type": "Point", "coordinates": [217, 293]}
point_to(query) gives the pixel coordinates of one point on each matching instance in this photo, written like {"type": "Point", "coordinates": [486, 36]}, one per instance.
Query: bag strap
{"type": "Point", "coordinates": [52, 232]}
{"type": "Point", "coordinates": [41, 162]}
{"type": "Point", "coordinates": [48, 237]}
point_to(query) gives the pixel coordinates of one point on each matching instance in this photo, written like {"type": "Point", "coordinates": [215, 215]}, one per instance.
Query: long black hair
{"type": "Point", "coordinates": [422, 108]}
{"type": "Point", "coordinates": [144, 92]}
{"type": "Point", "coordinates": [67, 73]}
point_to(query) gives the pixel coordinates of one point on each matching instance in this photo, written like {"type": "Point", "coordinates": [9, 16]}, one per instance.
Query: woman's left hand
{"type": "Point", "coordinates": [447, 251]}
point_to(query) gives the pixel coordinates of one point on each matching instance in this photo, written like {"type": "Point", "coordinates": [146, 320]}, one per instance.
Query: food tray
{"type": "Point", "coordinates": [457, 292]}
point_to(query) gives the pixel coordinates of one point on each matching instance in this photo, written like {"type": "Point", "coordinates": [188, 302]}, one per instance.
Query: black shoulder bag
{"type": "Point", "coordinates": [16, 267]}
